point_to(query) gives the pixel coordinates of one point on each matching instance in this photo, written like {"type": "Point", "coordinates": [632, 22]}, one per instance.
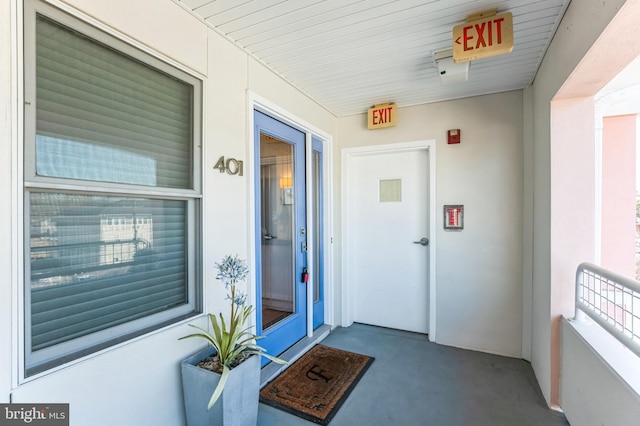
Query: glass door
{"type": "Point", "coordinates": [281, 234]}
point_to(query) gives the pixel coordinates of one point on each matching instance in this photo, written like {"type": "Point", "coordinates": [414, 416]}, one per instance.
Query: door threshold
{"type": "Point", "coordinates": [272, 370]}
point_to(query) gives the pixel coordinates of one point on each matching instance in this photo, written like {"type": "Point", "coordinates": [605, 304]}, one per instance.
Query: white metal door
{"type": "Point", "coordinates": [389, 232]}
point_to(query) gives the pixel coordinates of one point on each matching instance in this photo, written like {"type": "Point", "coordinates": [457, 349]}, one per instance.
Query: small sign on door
{"type": "Point", "coordinates": [454, 217]}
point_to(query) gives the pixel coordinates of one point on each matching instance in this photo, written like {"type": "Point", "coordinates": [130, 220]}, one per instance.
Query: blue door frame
{"type": "Point", "coordinates": [318, 230]}
{"type": "Point", "coordinates": [282, 335]}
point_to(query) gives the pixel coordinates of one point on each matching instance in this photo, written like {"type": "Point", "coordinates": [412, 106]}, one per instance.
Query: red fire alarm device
{"type": "Point", "coordinates": [453, 136]}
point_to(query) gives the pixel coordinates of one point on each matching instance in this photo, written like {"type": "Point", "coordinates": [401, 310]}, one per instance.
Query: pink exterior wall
{"type": "Point", "coordinates": [573, 213]}
{"type": "Point", "coordinates": [619, 194]}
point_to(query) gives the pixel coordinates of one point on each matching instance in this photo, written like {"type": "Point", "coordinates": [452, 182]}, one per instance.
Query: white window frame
{"type": "Point", "coordinates": [71, 351]}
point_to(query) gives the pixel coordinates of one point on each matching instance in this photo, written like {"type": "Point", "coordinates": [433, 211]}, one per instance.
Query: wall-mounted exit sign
{"type": "Point", "coordinates": [382, 115]}
{"type": "Point", "coordinates": [484, 34]}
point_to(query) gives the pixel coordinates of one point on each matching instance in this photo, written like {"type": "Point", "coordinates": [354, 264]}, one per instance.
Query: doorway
{"type": "Point", "coordinates": [288, 224]}
{"type": "Point", "coordinates": [389, 197]}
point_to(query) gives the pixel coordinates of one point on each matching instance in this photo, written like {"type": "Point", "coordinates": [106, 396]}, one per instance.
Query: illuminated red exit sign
{"type": "Point", "coordinates": [383, 115]}
{"type": "Point", "coordinates": [484, 34]}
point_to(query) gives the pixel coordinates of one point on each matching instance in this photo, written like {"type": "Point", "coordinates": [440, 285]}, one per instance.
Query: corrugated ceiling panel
{"type": "Point", "coordinates": [349, 54]}
{"type": "Point", "coordinates": [271, 17]}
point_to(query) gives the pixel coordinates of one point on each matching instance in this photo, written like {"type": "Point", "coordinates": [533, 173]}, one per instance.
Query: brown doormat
{"type": "Point", "coordinates": [316, 385]}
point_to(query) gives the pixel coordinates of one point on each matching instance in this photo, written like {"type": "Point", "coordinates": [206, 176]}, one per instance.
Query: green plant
{"type": "Point", "coordinates": [237, 342]}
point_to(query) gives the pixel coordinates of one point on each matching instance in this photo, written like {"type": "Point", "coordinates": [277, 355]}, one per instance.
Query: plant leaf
{"type": "Point", "coordinates": [204, 334]}
{"type": "Point", "coordinates": [275, 359]}
{"type": "Point", "coordinates": [272, 358]}
{"type": "Point", "coordinates": [246, 341]}
{"type": "Point", "coordinates": [216, 328]}
{"type": "Point", "coordinates": [224, 326]}
{"type": "Point", "coordinates": [220, 387]}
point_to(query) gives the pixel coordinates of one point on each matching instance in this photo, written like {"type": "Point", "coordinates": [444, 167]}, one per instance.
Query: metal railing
{"type": "Point", "coordinates": [611, 300]}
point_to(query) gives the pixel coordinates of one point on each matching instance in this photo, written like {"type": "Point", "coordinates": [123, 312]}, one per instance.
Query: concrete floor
{"type": "Point", "coordinates": [415, 382]}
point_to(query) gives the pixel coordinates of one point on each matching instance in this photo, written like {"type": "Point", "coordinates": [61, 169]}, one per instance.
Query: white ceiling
{"type": "Point", "coordinates": [351, 54]}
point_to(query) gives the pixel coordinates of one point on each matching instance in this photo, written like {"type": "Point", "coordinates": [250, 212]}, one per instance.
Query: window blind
{"type": "Point", "coordinates": [104, 116]}
{"type": "Point", "coordinates": [97, 262]}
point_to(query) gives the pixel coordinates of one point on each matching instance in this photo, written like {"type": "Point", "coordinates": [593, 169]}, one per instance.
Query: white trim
{"type": "Point", "coordinates": [251, 217]}
{"type": "Point", "coordinates": [327, 175]}
{"type": "Point", "coordinates": [347, 198]}
{"type": "Point", "coordinates": [17, 132]}
{"type": "Point", "coordinates": [256, 102]}
{"type": "Point", "coordinates": [273, 110]}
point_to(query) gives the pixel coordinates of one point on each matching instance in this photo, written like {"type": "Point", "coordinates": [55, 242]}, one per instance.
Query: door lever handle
{"type": "Point", "coordinates": [423, 241]}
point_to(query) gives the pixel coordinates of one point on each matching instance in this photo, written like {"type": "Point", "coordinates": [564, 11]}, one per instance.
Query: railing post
{"type": "Point", "coordinates": [580, 316]}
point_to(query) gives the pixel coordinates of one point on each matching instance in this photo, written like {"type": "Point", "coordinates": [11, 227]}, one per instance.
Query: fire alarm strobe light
{"type": "Point", "coordinates": [453, 136]}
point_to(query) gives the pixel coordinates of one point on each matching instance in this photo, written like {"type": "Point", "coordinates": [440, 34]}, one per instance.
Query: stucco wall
{"type": "Point", "coordinates": [478, 270]}
{"type": "Point", "coordinates": [573, 214]}
{"type": "Point", "coordinates": [580, 28]}
{"type": "Point", "coordinates": [139, 381]}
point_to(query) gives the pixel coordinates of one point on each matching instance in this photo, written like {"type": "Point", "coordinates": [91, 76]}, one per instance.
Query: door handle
{"type": "Point", "coordinates": [423, 241]}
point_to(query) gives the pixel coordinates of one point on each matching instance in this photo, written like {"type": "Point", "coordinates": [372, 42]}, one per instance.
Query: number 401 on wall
{"type": "Point", "coordinates": [231, 166]}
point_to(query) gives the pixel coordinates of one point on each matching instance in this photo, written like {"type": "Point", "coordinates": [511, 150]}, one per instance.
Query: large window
{"type": "Point", "coordinates": [112, 190]}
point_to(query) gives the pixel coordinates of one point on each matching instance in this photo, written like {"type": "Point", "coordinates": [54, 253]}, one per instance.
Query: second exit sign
{"type": "Point", "coordinates": [382, 115]}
